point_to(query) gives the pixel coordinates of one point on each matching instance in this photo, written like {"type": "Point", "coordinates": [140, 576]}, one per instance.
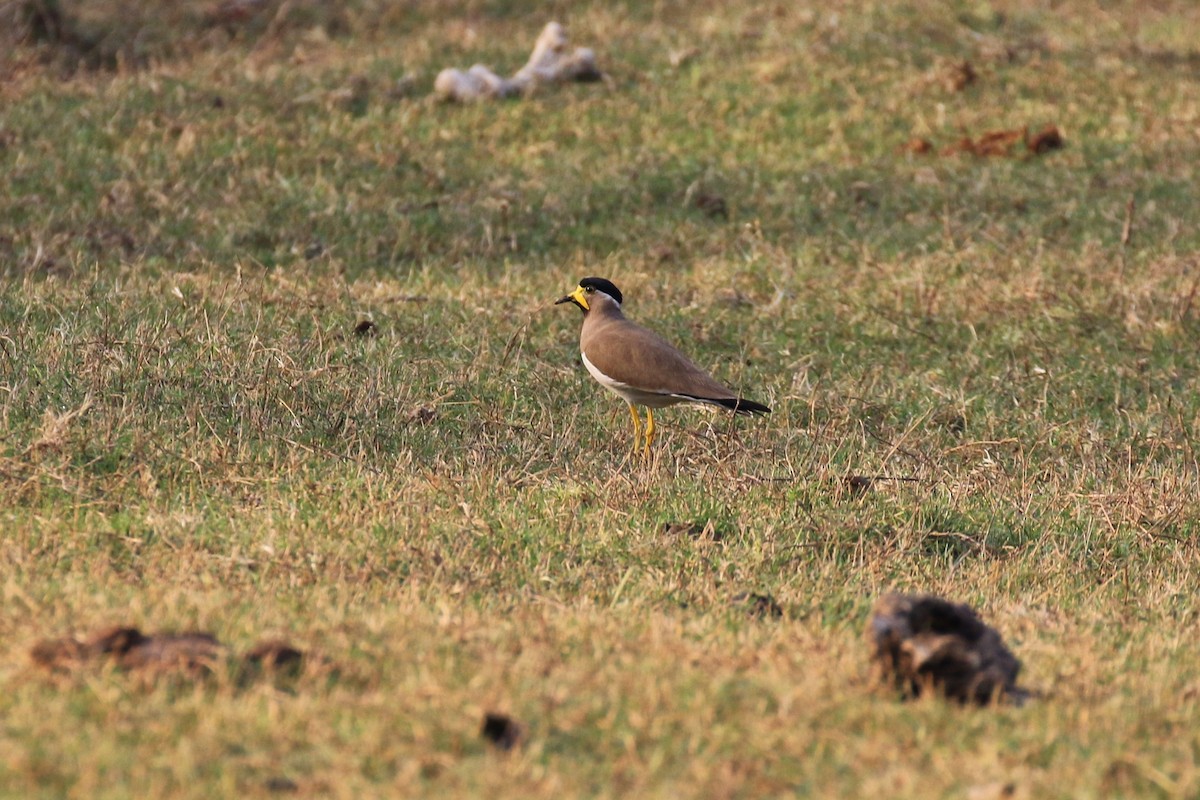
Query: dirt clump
{"type": "Point", "coordinates": [922, 644]}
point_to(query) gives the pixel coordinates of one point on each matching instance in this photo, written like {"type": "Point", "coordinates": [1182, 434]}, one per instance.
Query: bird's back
{"type": "Point", "coordinates": [636, 356]}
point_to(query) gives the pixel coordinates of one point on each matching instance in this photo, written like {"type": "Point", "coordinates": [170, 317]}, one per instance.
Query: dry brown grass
{"type": "Point", "coordinates": [982, 371]}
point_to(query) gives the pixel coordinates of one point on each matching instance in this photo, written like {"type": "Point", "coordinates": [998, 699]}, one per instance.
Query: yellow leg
{"type": "Point", "coordinates": [637, 426]}
{"type": "Point", "coordinates": [649, 429]}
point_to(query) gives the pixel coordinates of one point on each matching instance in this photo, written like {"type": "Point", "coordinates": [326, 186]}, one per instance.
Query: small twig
{"type": "Point", "coordinates": [907, 328]}
{"type": "Point", "coordinates": [761, 479]}
{"type": "Point", "coordinates": [277, 21]}
{"type": "Point", "coordinates": [877, 478]}
{"type": "Point", "coordinates": [981, 443]}
{"type": "Point", "coordinates": [897, 446]}
{"type": "Point", "coordinates": [332, 454]}
{"type": "Point", "coordinates": [851, 477]}
{"type": "Point", "coordinates": [1127, 229]}
{"type": "Point", "coordinates": [1186, 310]}
{"type": "Point", "coordinates": [512, 340]}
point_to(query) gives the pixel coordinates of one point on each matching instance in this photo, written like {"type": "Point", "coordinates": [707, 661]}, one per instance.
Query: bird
{"type": "Point", "coordinates": [640, 366]}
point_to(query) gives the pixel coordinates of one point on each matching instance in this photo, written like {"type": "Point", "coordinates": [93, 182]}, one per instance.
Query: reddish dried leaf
{"type": "Point", "coordinates": [1047, 139]}
{"type": "Point", "coordinates": [997, 143]}
{"type": "Point", "coordinates": [959, 76]}
{"type": "Point", "coordinates": [963, 145]}
{"type": "Point", "coordinates": [992, 143]}
{"type": "Point", "coordinates": [917, 146]}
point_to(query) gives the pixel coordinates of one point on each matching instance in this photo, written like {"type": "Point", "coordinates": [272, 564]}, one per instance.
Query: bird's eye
{"type": "Point", "coordinates": [589, 289]}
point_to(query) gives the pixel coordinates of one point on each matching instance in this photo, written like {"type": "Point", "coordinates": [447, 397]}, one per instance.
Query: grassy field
{"type": "Point", "coordinates": [199, 210]}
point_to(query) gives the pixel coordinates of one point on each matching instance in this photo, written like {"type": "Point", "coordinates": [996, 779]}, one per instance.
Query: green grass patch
{"type": "Point", "coordinates": [982, 373]}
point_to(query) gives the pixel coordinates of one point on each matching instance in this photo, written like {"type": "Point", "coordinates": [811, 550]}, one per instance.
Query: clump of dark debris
{"type": "Point", "coordinates": [998, 143]}
{"type": "Point", "coordinates": [193, 654]}
{"type": "Point", "coordinates": [502, 731]}
{"type": "Point", "coordinates": [923, 644]}
{"type": "Point", "coordinates": [758, 606]}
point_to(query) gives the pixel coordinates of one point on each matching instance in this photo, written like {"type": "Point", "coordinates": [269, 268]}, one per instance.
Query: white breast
{"type": "Point", "coordinates": [604, 380]}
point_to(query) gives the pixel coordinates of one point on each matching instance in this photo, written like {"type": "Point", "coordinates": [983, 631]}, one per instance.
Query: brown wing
{"type": "Point", "coordinates": [633, 355]}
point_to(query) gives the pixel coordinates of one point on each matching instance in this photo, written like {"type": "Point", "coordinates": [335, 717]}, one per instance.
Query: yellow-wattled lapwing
{"type": "Point", "coordinates": [638, 364]}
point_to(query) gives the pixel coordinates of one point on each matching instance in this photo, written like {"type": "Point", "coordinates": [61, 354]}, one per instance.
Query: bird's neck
{"type": "Point", "coordinates": [605, 311]}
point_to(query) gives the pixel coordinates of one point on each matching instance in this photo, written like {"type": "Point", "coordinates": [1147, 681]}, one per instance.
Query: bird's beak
{"type": "Point", "coordinates": [575, 297]}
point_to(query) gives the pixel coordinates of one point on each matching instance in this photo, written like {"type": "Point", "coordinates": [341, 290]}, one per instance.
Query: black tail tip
{"type": "Point", "coordinates": [743, 406]}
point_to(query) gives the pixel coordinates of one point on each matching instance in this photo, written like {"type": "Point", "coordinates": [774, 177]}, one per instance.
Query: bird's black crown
{"type": "Point", "coordinates": [602, 285]}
